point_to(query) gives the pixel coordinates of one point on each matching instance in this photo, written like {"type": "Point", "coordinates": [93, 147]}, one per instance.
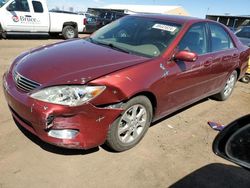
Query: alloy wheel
{"type": "Point", "coordinates": [70, 33]}
{"type": "Point", "coordinates": [132, 123]}
{"type": "Point", "coordinates": [229, 85]}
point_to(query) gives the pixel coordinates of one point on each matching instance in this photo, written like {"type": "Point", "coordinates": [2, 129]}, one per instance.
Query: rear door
{"type": "Point", "coordinates": [19, 16]}
{"type": "Point", "coordinates": [225, 57]}
{"type": "Point", "coordinates": [40, 16]}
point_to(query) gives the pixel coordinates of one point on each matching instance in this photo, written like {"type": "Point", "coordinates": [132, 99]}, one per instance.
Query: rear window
{"type": "Point", "coordinates": [220, 38]}
{"type": "Point", "coordinates": [38, 7]}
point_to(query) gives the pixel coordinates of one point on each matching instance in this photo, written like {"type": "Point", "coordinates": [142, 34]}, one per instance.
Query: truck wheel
{"type": "Point", "coordinates": [246, 78]}
{"type": "Point", "coordinates": [3, 35]}
{"type": "Point", "coordinates": [69, 32]}
{"type": "Point", "coordinates": [228, 88]}
{"type": "Point", "coordinates": [128, 129]}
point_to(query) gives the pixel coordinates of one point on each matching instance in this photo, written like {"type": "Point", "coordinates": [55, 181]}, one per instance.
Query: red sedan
{"type": "Point", "coordinates": [110, 87]}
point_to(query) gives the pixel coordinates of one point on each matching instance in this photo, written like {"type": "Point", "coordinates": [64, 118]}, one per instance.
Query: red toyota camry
{"type": "Point", "coordinates": [110, 87]}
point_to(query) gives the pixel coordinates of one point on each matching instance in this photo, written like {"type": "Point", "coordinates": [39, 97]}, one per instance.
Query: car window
{"type": "Point", "coordinates": [38, 7]}
{"type": "Point", "coordinates": [243, 32]}
{"type": "Point", "coordinates": [20, 5]}
{"type": "Point", "coordinates": [220, 39]}
{"type": "Point", "coordinates": [91, 19]}
{"type": "Point", "coordinates": [195, 40]}
{"type": "Point", "coordinates": [141, 36]}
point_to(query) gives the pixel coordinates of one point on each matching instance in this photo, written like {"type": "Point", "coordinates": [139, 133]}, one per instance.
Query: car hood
{"type": "Point", "coordinates": [73, 62]}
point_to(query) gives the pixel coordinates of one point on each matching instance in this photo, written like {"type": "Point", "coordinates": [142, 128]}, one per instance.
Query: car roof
{"type": "Point", "coordinates": [174, 18]}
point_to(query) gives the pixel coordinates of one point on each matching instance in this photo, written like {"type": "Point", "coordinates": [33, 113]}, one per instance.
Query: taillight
{"type": "Point", "coordinates": [84, 21]}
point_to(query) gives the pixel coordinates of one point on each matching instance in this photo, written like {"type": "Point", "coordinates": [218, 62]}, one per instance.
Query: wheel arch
{"type": "Point", "coordinates": [73, 24]}
{"type": "Point", "coordinates": [150, 96]}
{"type": "Point", "coordinates": [238, 72]}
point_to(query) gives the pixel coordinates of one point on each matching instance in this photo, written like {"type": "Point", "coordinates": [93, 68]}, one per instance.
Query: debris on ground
{"type": "Point", "coordinates": [216, 126]}
{"type": "Point", "coordinates": [170, 126]}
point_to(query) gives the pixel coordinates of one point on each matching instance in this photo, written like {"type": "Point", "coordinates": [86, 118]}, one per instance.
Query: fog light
{"type": "Point", "coordinates": [63, 134]}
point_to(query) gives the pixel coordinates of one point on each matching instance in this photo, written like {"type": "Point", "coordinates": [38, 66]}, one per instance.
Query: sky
{"type": "Point", "coordinates": [196, 8]}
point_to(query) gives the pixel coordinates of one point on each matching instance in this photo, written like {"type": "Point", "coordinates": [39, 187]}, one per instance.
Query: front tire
{"type": "Point", "coordinates": [128, 130]}
{"type": "Point", "coordinates": [228, 88]}
{"type": "Point", "coordinates": [69, 32]}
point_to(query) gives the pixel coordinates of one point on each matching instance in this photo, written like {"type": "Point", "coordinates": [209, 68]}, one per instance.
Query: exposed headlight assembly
{"type": "Point", "coordinates": [68, 95]}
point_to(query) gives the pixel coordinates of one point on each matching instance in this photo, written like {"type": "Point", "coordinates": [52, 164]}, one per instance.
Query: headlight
{"type": "Point", "coordinates": [68, 95]}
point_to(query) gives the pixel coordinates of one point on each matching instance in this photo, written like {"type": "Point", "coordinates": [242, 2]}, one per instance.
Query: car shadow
{"type": "Point", "coordinates": [33, 37]}
{"type": "Point", "coordinates": [178, 112]}
{"type": "Point", "coordinates": [54, 149]}
{"type": "Point", "coordinates": [39, 37]}
{"type": "Point", "coordinates": [215, 175]}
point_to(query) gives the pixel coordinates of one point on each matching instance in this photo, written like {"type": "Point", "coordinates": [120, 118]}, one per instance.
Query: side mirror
{"type": "Point", "coordinates": [233, 142]}
{"type": "Point", "coordinates": [185, 56]}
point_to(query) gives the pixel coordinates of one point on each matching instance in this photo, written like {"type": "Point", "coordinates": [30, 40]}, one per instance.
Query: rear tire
{"type": "Point", "coordinates": [3, 35]}
{"type": "Point", "coordinates": [228, 88]}
{"type": "Point", "coordinates": [128, 129]}
{"type": "Point", "coordinates": [69, 32]}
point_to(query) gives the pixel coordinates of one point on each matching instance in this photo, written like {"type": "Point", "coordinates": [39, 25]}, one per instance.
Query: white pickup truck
{"type": "Point", "coordinates": [33, 17]}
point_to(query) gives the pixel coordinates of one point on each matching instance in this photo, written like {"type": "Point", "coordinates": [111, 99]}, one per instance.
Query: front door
{"type": "Point", "coordinates": [186, 82]}
{"type": "Point", "coordinates": [18, 16]}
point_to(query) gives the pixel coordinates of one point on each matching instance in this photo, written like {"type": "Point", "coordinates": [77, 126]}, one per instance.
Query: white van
{"type": "Point", "coordinates": [33, 17]}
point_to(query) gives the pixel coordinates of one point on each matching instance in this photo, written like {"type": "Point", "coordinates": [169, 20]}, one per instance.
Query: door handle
{"type": "Point", "coordinates": [235, 55]}
{"type": "Point", "coordinates": [28, 16]}
{"type": "Point", "coordinates": [208, 63]}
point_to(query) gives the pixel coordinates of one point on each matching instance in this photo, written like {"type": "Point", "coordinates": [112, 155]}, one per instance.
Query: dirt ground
{"type": "Point", "coordinates": [176, 152]}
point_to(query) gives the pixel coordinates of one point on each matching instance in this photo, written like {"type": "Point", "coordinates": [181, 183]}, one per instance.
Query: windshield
{"type": "Point", "coordinates": [3, 2]}
{"type": "Point", "coordinates": [137, 35]}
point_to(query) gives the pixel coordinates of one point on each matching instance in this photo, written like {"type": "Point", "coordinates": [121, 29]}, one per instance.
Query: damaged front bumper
{"type": "Point", "coordinates": [81, 127]}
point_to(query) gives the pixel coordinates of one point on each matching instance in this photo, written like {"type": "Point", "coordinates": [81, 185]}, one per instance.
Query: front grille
{"type": "Point", "coordinates": [23, 83]}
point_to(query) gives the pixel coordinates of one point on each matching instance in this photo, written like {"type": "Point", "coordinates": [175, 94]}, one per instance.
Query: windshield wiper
{"type": "Point", "coordinates": [110, 45]}
{"type": "Point", "coordinates": [117, 48]}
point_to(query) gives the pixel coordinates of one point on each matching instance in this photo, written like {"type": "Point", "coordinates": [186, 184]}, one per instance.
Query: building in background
{"type": "Point", "coordinates": [231, 21]}
{"type": "Point", "coordinates": [132, 9]}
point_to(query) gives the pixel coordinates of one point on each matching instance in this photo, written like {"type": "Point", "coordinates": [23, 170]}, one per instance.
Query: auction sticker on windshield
{"type": "Point", "coordinates": [165, 27]}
